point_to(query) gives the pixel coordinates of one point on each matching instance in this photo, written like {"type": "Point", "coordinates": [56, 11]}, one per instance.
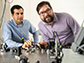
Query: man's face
{"type": "Point", "coordinates": [46, 14]}
{"type": "Point", "coordinates": [18, 16]}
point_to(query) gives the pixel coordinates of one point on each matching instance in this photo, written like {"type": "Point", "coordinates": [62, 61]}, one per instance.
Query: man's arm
{"type": "Point", "coordinates": [72, 23]}
{"type": "Point", "coordinates": [33, 31]}
{"type": "Point", "coordinates": [43, 32]}
{"type": "Point", "coordinates": [7, 37]}
{"type": "Point", "coordinates": [44, 36]}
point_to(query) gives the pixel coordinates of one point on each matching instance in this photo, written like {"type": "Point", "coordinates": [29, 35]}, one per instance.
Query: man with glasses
{"type": "Point", "coordinates": [63, 24]}
{"type": "Point", "coordinates": [16, 31]}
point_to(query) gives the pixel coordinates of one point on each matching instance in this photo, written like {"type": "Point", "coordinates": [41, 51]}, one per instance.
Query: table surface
{"type": "Point", "coordinates": [69, 57]}
{"type": "Point", "coordinates": [72, 57]}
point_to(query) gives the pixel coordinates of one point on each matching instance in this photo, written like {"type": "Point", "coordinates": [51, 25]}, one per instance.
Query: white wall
{"type": "Point", "coordinates": [73, 7]}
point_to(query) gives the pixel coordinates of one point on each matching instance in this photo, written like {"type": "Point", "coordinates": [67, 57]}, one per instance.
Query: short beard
{"type": "Point", "coordinates": [20, 22]}
{"type": "Point", "coordinates": [51, 20]}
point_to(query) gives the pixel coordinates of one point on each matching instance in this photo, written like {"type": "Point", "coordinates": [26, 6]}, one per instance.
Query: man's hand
{"type": "Point", "coordinates": [43, 43]}
{"type": "Point", "coordinates": [26, 44]}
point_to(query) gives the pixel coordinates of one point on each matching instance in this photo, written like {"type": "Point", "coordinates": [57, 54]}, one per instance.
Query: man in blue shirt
{"type": "Point", "coordinates": [17, 28]}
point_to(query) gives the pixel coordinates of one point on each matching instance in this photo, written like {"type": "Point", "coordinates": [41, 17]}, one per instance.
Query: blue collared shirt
{"type": "Point", "coordinates": [13, 33]}
{"type": "Point", "coordinates": [65, 26]}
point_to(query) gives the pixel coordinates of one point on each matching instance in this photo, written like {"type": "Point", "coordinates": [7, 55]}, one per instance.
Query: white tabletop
{"type": "Point", "coordinates": [72, 57]}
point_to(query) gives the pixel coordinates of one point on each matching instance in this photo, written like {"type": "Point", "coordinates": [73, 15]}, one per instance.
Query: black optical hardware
{"type": "Point", "coordinates": [23, 60]}
{"type": "Point", "coordinates": [52, 43]}
{"type": "Point", "coordinates": [4, 47]}
{"type": "Point", "coordinates": [16, 51]}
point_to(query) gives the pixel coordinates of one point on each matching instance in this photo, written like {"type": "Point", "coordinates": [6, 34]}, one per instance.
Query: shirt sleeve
{"type": "Point", "coordinates": [33, 31]}
{"type": "Point", "coordinates": [7, 37]}
{"type": "Point", "coordinates": [72, 23]}
{"type": "Point", "coordinates": [44, 35]}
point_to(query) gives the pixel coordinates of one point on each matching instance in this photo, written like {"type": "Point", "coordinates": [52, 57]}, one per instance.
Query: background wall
{"type": "Point", "coordinates": [73, 7]}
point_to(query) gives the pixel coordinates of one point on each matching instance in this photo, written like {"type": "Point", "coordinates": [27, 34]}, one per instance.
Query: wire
{"type": "Point", "coordinates": [1, 39]}
{"type": "Point", "coordinates": [1, 19]}
{"type": "Point", "coordinates": [59, 52]}
{"type": "Point", "coordinates": [9, 2]}
{"type": "Point", "coordinates": [57, 37]}
{"type": "Point", "coordinates": [3, 14]}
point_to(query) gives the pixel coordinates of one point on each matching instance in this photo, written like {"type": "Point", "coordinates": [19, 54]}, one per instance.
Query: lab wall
{"type": "Point", "coordinates": [73, 7]}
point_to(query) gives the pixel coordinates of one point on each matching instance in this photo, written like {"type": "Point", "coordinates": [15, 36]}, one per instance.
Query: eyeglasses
{"type": "Point", "coordinates": [43, 13]}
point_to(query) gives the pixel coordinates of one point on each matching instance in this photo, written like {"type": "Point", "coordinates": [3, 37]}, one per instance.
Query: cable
{"type": "Point", "coordinates": [1, 39]}
{"type": "Point", "coordinates": [2, 18]}
{"type": "Point", "coordinates": [59, 52]}
{"type": "Point", "coordinates": [3, 14]}
{"type": "Point", "coordinates": [57, 36]}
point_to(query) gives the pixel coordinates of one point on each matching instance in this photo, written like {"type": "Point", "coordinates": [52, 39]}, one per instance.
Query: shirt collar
{"type": "Point", "coordinates": [16, 24]}
{"type": "Point", "coordinates": [54, 20]}
{"type": "Point", "coordinates": [55, 17]}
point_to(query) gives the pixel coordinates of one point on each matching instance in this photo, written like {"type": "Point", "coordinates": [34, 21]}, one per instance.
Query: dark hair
{"type": "Point", "coordinates": [15, 7]}
{"type": "Point", "coordinates": [41, 4]}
